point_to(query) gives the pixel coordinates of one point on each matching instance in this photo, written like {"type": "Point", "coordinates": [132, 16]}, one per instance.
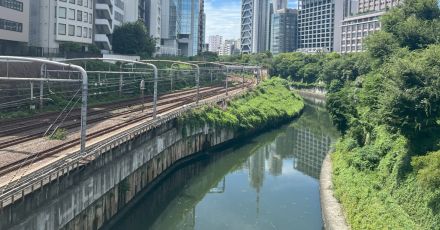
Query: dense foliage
{"type": "Point", "coordinates": [133, 39]}
{"type": "Point", "coordinates": [387, 165]}
{"type": "Point", "coordinates": [271, 102]}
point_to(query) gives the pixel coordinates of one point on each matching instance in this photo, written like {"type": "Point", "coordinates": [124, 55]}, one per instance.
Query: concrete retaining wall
{"type": "Point", "coordinates": [332, 213]}
{"type": "Point", "coordinates": [91, 196]}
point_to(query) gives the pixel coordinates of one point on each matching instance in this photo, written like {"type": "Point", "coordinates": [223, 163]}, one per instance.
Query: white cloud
{"type": "Point", "coordinates": [223, 19]}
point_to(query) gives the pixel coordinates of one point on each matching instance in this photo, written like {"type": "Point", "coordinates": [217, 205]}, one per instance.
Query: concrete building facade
{"type": "Point", "coordinates": [361, 18]}
{"type": "Point", "coordinates": [178, 26]}
{"type": "Point", "coordinates": [255, 25]}
{"type": "Point", "coordinates": [247, 12]}
{"type": "Point", "coordinates": [227, 48]}
{"type": "Point", "coordinates": [109, 14]}
{"type": "Point", "coordinates": [55, 22]}
{"type": "Point", "coordinates": [317, 22]}
{"type": "Point", "coordinates": [14, 24]}
{"type": "Point", "coordinates": [215, 42]}
{"type": "Point", "coordinates": [284, 31]}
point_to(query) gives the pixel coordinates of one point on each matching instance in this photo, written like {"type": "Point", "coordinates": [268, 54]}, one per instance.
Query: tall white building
{"type": "Point", "coordinates": [247, 12]}
{"type": "Point", "coordinates": [135, 10]}
{"type": "Point", "coordinates": [109, 14]}
{"type": "Point", "coordinates": [361, 18]}
{"type": "Point", "coordinates": [55, 22]}
{"type": "Point", "coordinates": [215, 42]}
{"type": "Point", "coordinates": [318, 22]}
{"type": "Point", "coordinates": [255, 25]}
{"type": "Point", "coordinates": [226, 48]}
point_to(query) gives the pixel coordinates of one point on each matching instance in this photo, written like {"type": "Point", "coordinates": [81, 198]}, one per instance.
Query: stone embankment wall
{"type": "Point", "coordinates": [90, 197]}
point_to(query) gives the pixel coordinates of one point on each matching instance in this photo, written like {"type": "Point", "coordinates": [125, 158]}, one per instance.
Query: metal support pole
{"type": "Point", "coordinates": [242, 78]}
{"type": "Point", "coordinates": [121, 82]}
{"type": "Point", "coordinates": [210, 71]}
{"type": "Point", "coordinates": [32, 106]}
{"type": "Point", "coordinates": [198, 84]}
{"type": "Point", "coordinates": [155, 92]}
{"type": "Point", "coordinates": [43, 75]}
{"type": "Point", "coordinates": [84, 111]}
{"type": "Point", "coordinates": [172, 77]}
{"type": "Point", "coordinates": [142, 94]}
{"type": "Point", "coordinates": [227, 74]}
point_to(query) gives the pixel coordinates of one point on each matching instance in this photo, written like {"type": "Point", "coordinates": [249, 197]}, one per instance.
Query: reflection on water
{"type": "Point", "coordinates": [268, 182]}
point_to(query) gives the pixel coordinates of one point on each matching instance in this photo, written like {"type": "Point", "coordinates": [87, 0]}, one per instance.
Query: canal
{"type": "Point", "coordinates": [270, 181]}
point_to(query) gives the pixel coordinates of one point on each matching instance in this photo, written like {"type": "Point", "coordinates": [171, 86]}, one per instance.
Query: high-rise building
{"type": "Point", "coordinates": [215, 41]}
{"type": "Point", "coordinates": [202, 26]}
{"type": "Point", "coordinates": [167, 45]}
{"type": "Point", "coordinates": [188, 36]}
{"type": "Point", "coordinates": [109, 15]}
{"type": "Point", "coordinates": [255, 25]}
{"type": "Point", "coordinates": [227, 48]}
{"type": "Point", "coordinates": [155, 22]}
{"type": "Point", "coordinates": [247, 12]}
{"type": "Point", "coordinates": [135, 10]}
{"type": "Point", "coordinates": [53, 23]}
{"type": "Point", "coordinates": [279, 4]}
{"type": "Point", "coordinates": [317, 22]}
{"type": "Point", "coordinates": [361, 18]}
{"type": "Point", "coordinates": [14, 25]}
{"type": "Point", "coordinates": [284, 31]}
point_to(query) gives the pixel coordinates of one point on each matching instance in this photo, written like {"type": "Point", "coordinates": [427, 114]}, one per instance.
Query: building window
{"type": "Point", "coordinates": [71, 30]}
{"type": "Point", "coordinates": [85, 31]}
{"type": "Point", "coordinates": [80, 2]}
{"type": "Point", "coordinates": [62, 11]}
{"type": "Point", "coordinates": [78, 31]}
{"type": "Point", "coordinates": [79, 15]}
{"type": "Point", "coordinates": [72, 1]}
{"type": "Point", "coordinates": [85, 17]}
{"type": "Point", "coordinates": [71, 14]}
{"type": "Point", "coordinates": [90, 33]}
{"type": "Point", "coordinates": [61, 29]}
{"type": "Point", "coordinates": [11, 25]}
{"type": "Point", "coordinates": [12, 4]}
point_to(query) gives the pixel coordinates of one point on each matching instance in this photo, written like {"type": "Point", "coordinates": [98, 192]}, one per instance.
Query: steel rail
{"type": "Point", "coordinates": [84, 87]}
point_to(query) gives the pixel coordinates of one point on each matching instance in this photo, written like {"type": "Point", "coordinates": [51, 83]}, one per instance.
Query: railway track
{"type": "Point", "coordinates": [37, 130]}
{"type": "Point", "coordinates": [16, 165]}
{"type": "Point", "coordinates": [11, 127]}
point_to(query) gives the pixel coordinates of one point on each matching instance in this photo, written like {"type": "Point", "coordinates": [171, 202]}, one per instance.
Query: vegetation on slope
{"type": "Point", "coordinates": [387, 165]}
{"type": "Point", "coordinates": [270, 103]}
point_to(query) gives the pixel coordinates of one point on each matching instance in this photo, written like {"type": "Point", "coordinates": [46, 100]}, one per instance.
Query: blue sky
{"type": "Point", "coordinates": [223, 17]}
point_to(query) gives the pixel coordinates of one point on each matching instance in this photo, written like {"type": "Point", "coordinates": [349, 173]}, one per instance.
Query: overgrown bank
{"type": "Point", "coordinates": [270, 103]}
{"type": "Point", "coordinates": [386, 168]}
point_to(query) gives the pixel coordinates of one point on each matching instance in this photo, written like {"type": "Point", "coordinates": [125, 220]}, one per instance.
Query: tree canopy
{"type": "Point", "coordinates": [133, 39]}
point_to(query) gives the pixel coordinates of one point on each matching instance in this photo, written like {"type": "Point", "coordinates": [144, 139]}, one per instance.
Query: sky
{"type": "Point", "coordinates": [223, 18]}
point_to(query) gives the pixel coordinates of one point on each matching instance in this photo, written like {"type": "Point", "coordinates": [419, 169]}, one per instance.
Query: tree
{"type": "Point", "coordinates": [411, 103]}
{"type": "Point", "coordinates": [133, 39]}
{"type": "Point", "coordinates": [414, 24]}
{"type": "Point", "coordinates": [381, 45]}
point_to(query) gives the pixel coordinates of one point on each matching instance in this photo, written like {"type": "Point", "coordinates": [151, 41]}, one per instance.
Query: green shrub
{"type": "Point", "coordinates": [270, 102]}
{"type": "Point", "coordinates": [59, 134]}
{"type": "Point", "coordinates": [428, 170]}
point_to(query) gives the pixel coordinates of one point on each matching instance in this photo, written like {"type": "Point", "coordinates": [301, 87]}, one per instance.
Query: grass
{"type": "Point", "coordinates": [270, 103]}
{"type": "Point", "coordinates": [389, 194]}
{"type": "Point", "coordinates": [60, 134]}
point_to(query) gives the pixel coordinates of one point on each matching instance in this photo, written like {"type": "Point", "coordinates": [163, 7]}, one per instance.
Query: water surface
{"type": "Point", "coordinates": [266, 182]}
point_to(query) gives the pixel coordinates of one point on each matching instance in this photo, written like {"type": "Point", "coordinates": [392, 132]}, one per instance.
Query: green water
{"type": "Point", "coordinates": [266, 182]}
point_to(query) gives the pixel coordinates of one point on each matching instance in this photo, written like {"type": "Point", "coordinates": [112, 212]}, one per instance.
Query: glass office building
{"type": "Point", "coordinates": [283, 35]}
{"type": "Point", "coordinates": [188, 35]}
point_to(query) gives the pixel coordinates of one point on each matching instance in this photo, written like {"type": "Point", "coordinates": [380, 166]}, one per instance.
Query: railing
{"type": "Point", "coordinates": [29, 183]}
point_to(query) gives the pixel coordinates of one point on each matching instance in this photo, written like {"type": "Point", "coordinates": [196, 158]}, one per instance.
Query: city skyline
{"type": "Point", "coordinates": [224, 17]}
